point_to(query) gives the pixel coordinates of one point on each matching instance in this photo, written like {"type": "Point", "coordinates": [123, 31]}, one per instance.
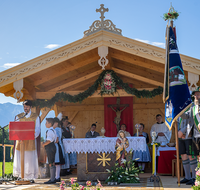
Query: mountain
{"type": "Point", "coordinates": [8, 111]}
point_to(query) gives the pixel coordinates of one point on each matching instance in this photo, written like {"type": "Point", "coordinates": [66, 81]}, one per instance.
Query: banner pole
{"type": "Point", "coordinates": [177, 153]}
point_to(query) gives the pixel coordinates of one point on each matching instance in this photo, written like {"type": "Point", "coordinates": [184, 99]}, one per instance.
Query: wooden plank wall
{"type": "Point", "coordinates": [91, 110]}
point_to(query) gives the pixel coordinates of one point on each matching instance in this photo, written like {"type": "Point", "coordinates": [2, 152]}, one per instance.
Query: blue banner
{"type": "Point", "coordinates": [176, 93]}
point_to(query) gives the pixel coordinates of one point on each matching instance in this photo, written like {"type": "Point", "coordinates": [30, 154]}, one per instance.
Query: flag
{"type": "Point", "coordinates": [176, 95]}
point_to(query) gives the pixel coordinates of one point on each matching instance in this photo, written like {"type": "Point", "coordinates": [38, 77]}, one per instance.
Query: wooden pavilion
{"type": "Point", "coordinates": [74, 67]}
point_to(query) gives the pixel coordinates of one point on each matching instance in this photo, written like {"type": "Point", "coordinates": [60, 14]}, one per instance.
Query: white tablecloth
{"type": "Point", "coordinates": [164, 149]}
{"type": "Point", "coordinates": [97, 145]}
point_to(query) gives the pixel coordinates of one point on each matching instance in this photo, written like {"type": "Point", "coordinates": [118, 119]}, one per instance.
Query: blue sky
{"type": "Point", "coordinates": [31, 28]}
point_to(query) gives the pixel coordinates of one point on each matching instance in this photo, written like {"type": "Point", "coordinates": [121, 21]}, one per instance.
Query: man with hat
{"type": "Point", "coordinates": [30, 153]}
{"type": "Point", "coordinates": [193, 128]}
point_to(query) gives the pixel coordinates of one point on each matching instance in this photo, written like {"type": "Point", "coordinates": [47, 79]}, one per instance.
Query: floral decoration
{"type": "Point", "coordinates": [75, 186]}
{"type": "Point", "coordinates": [196, 185]}
{"type": "Point", "coordinates": [108, 85]}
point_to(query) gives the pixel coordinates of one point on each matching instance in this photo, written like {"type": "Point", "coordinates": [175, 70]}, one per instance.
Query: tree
{"type": "Point", "coordinates": [6, 141]}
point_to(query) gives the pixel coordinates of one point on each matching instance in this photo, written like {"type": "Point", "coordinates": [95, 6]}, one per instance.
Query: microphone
{"type": "Point", "coordinates": [21, 117]}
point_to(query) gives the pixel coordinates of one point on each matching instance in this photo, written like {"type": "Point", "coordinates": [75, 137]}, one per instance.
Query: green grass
{"type": "Point", "coordinates": [8, 168]}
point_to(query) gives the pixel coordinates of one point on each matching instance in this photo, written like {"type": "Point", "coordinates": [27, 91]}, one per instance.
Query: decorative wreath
{"type": "Point", "coordinates": [172, 15]}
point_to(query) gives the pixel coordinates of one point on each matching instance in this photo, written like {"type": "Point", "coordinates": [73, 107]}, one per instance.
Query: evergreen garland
{"type": "Point", "coordinates": [62, 96]}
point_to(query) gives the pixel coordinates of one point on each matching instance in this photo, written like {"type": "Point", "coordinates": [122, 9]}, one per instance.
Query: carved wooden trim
{"type": "Point", "coordinates": [98, 39]}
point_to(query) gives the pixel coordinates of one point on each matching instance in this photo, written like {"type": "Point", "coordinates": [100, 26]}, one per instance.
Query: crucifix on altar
{"type": "Point", "coordinates": [118, 111]}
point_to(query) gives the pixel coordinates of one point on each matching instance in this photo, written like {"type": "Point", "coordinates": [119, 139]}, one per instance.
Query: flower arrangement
{"type": "Point", "coordinates": [108, 85]}
{"type": "Point", "coordinates": [196, 185]}
{"type": "Point", "coordinates": [127, 174]}
{"type": "Point", "coordinates": [76, 186]}
{"type": "Point", "coordinates": [171, 15]}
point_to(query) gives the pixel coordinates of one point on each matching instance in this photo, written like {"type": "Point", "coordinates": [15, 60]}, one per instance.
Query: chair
{"type": "Point", "coordinates": [174, 162]}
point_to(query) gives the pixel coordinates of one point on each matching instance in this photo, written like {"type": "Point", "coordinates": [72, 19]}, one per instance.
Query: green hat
{"type": "Point", "coordinates": [197, 90]}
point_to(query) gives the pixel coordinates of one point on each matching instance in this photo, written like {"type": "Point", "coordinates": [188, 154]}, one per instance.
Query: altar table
{"type": "Point", "coordinates": [95, 155]}
{"type": "Point", "coordinates": [165, 157]}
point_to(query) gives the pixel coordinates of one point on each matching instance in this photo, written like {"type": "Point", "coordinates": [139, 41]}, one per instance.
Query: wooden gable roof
{"type": "Point", "coordinates": [74, 67]}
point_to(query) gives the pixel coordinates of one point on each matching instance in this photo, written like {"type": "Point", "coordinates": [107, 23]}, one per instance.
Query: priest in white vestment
{"type": "Point", "coordinates": [163, 135]}
{"type": "Point", "coordinates": [30, 153]}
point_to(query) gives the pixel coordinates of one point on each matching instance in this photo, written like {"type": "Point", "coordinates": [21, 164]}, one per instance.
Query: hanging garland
{"type": "Point", "coordinates": [109, 81]}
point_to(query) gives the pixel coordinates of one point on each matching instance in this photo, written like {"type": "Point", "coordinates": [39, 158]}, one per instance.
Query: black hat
{"type": "Point", "coordinates": [65, 118]}
{"type": "Point", "coordinates": [197, 90]}
{"type": "Point", "coordinates": [27, 103]}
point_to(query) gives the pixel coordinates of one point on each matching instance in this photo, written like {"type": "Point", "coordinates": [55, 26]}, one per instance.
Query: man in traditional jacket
{"type": "Point", "coordinates": [92, 133]}
{"type": "Point", "coordinates": [30, 153]}
{"type": "Point", "coordinates": [186, 150]}
{"type": "Point", "coordinates": [163, 135]}
{"type": "Point", "coordinates": [193, 114]}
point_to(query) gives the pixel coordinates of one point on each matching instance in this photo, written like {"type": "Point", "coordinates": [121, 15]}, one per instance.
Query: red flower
{"type": "Point", "coordinates": [169, 14]}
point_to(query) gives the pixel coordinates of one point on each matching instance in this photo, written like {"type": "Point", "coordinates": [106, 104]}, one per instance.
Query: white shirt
{"type": "Point", "coordinates": [51, 135]}
{"type": "Point", "coordinates": [161, 128]}
{"type": "Point", "coordinates": [37, 124]}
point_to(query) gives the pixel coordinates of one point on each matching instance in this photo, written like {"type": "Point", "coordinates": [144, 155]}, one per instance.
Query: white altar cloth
{"type": "Point", "coordinates": [97, 145]}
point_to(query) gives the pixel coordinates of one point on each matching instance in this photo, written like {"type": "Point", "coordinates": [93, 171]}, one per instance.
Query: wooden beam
{"type": "Point", "coordinates": [28, 85]}
{"type": "Point", "coordinates": [66, 70]}
{"type": "Point", "coordinates": [162, 110]}
{"type": "Point", "coordinates": [120, 93]}
{"type": "Point", "coordinates": [36, 110]}
{"type": "Point", "coordinates": [137, 77]}
{"type": "Point", "coordinates": [136, 60]}
{"type": "Point", "coordinates": [144, 72]}
{"type": "Point", "coordinates": [83, 108]}
{"type": "Point", "coordinates": [55, 108]}
{"type": "Point", "coordinates": [73, 116]}
{"type": "Point", "coordinates": [98, 107]}
{"type": "Point", "coordinates": [110, 63]}
{"type": "Point", "coordinates": [81, 79]}
{"type": "Point", "coordinates": [9, 93]}
{"type": "Point", "coordinates": [44, 111]}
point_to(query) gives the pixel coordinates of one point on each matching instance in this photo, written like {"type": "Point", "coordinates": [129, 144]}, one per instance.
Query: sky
{"type": "Point", "coordinates": [30, 28]}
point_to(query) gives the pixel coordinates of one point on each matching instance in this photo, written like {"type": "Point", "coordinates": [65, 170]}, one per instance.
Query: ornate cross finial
{"type": "Point", "coordinates": [102, 10]}
{"type": "Point", "coordinates": [102, 24]}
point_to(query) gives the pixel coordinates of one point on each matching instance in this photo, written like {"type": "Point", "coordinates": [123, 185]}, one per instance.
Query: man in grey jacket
{"type": "Point", "coordinates": [192, 132]}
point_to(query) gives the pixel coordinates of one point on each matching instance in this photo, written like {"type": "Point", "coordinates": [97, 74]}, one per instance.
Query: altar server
{"type": "Point", "coordinates": [30, 154]}
{"type": "Point", "coordinates": [163, 135]}
{"type": "Point", "coordinates": [50, 147]}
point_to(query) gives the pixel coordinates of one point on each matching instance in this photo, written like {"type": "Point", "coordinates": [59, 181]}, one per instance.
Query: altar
{"type": "Point", "coordinates": [95, 155]}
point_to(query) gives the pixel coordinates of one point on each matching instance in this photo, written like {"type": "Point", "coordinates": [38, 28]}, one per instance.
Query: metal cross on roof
{"type": "Point", "coordinates": [102, 24]}
{"type": "Point", "coordinates": [102, 10]}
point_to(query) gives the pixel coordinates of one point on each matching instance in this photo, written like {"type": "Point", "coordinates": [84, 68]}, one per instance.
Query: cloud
{"type": "Point", "coordinates": [9, 65]}
{"type": "Point", "coordinates": [52, 46]}
{"type": "Point", "coordinates": [159, 44]}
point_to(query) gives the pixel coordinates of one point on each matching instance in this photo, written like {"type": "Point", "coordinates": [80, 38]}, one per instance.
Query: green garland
{"type": "Point", "coordinates": [91, 90]}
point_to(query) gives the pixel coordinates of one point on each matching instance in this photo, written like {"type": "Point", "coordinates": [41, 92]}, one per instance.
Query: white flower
{"type": "Point", "coordinates": [123, 161]}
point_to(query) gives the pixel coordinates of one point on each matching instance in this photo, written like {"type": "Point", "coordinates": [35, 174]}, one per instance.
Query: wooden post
{"type": "Point", "coordinates": [177, 153]}
{"type": "Point", "coordinates": [4, 159]}
{"type": "Point", "coordinates": [22, 158]}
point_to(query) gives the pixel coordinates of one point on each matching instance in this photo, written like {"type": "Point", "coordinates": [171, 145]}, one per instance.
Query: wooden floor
{"type": "Point", "coordinates": [166, 183]}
